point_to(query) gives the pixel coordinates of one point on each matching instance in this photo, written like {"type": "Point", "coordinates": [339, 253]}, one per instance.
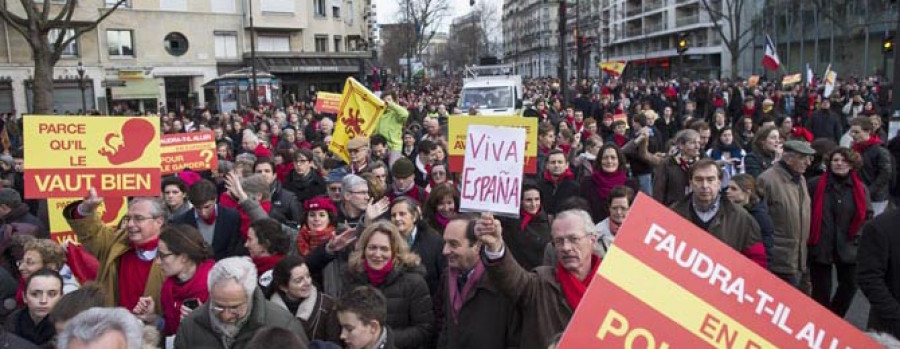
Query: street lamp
{"type": "Point", "coordinates": [80, 70]}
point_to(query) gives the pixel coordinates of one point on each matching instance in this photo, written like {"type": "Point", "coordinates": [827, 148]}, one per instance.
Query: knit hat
{"type": "Point", "coordinates": [189, 177]}
{"type": "Point", "coordinates": [319, 203]}
{"type": "Point", "coordinates": [262, 152]}
{"type": "Point", "coordinates": [403, 168]}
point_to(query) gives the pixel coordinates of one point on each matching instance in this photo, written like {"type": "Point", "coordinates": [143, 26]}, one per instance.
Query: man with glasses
{"type": "Point", "coordinates": [126, 255]}
{"type": "Point", "coordinates": [355, 193]}
{"type": "Point", "coordinates": [549, 295]}
{"type": "Point", "coordinates": [784, 189]}
{"type": "Point", "coordinates": [235, 311]}
{"type": "Point", "coordinates": [358, 147]}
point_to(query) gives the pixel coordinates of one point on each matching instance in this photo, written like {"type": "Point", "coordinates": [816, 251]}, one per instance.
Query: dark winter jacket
{"type": "Point", "coordinates": [552, 194]}
{"type": "Point", "coordinates": [527, 246]}
{"type": "Point", "coordinates": [487, 318]}
{"type": "Point", "coordinates": [285, 207]}
{"type": "Point", "coordinates": [824, 124]}
{"type": "Point", "coordinates": [760, 213]}
{"type": "Point", "coordinates": [838, 210]}
{"type": "Point", "coordinates": [305, 187]}
{"type": "Point", "coordinates": [878, 271]}
{"type": "Point", "coordinates": [877, 172]}
{"type": "Point", "coordinates": [670, 182]}
{"type": "Point", "coordinates": [430, 246]}
{"type": "Point", "coordinates": [227, 238]}
{"type": "Point", "coordinates": [756, 163]}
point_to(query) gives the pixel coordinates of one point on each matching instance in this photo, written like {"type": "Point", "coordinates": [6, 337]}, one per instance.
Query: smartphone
{"type": "Point", "coordinates": [192, 303]}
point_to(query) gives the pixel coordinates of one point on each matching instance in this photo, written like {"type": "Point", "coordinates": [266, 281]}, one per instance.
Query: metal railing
{"type": "Point", "coordinates": [687, 20]}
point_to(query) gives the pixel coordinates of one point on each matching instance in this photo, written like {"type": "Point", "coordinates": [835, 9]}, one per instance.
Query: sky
{"type": "Point", "coordinates": [388, 9]}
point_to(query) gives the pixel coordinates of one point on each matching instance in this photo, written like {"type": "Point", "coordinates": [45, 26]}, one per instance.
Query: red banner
{"type": "Point", "coordinates": [666, 283]}
{"type": "Point", "coordinates": [327, 103]}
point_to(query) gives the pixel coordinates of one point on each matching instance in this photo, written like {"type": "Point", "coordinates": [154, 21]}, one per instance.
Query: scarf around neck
{"type": "Point", "coordinates": [564, 176]}
{"type": "Point", "coordinates": [457, 296]}
{"type": "Point", "coordinates": [606, 181]}
{"type": "Point", "coordinates": [378, 276]}
{"type": "Point", "coordinates": [527, 218]}
{"type": "Point", "coordinates": [862, 147]}
{"type": "Point", "coordinates": [572, 288]}
{"type": "Point", "coordinates": [818, 203]}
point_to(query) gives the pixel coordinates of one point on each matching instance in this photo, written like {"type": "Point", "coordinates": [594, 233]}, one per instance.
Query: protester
{"type": "Point", "coordinates": [527, 236]}
{"type": "Point", "coordinates": [765, 151]}
{"type": "Point", "coordinates": [318, 226]}
{"type": "Point", "coordinates": [102, 328]}
{"type": "Point", "coordinates": [285, 207]}
{"type": "Point", "coordinates": [267, 244]}
{"type": "Point", "coordinates": [363, 314]}
{"type": "Point", "coordinates": [557, 181]}
{"type": "Point", "coordinates": [42, 291]}
{"type": "Point", "coordinates": [609, 172]}
{"type": "Point", "coordinates": [877, 168]}
{"type": "Point", "coordinates": [175, 194]}
{"type": "Point", "coordinates": [877, 279]}
{"type": "Point", "coordinates": [219, 225]}
{"type": "Point", "coordinates": [292, 289]}
{"type": "Point", "coordinates": [743, 191]}
{"type": "Point", "coordinates": [15, 216]}
{"type": "Point", "coordinates": [304, 181]}
{"type": "Point", "coordinates": [670, 179]}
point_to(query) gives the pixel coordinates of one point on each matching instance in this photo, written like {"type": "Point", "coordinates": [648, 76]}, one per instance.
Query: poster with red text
{"type": "Point", "coordinates": [66, 156]}
{"type": "Point", "coordinates": [492, 170]}
{"type": "Point", "coordinates": [196, 151]}
{"type": "Point", "coordinates": [667, 284]}
{"type": "Point", "coordinates": [110, 211]}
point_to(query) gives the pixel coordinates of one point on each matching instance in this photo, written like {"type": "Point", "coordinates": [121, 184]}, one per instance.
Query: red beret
{"type": "Point", "coordinates": [320, 203]}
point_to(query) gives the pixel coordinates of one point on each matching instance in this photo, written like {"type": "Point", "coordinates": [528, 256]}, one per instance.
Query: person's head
{"type": "Point", "coordinates": [41, 254]}
{"type": "Point", "coordinates": [265, 238]}
{"type": "Point", "coordinates": [688, 143]}
{"type": "Point", "coordinates": [620, 199]}
{"type": "Point", "coordinates": [265, 168]}
{"type": "Point", "coordinates": [257, 187]}
{"type": "Point", "coordinates": [355, 191]}
{"type": "Point", "coordinates": [767, 140]}
{"type": "Point", "coordinates": [719, 116]}
{"type": "Point", "coordinates": [405, 214]}
{"type": "Point", "coordinates": [106, 328]}
{"type": "Point", "coordinates": [876, 121]}
{"type": "Point", "coordinates": [326, 125]}
{"type": "Point", "coordinates": [291, 279]}
{"type": "Point", "coordinates": [174, 190]}
{"type": "Point", "coordinates": [362, 313]}
{"type": "Point", "coordinates": [379, 146]}
{"type": "Point", "coordinates": [9, 200]}
{"type": "Point", "coordinates": [18, 156]}
{"type": "Point", "coordinates": [461, 246]}
{"type": "Point", "coordinates": [379, 244]}
{"type": "Point", "coordinates": [861, 129]}
{"type": "Point", "coordinates": [726, 137]}
{"type": "Point", "coordinates": [303, 161]}
{"type": "Point", "coordinates": [785, 125]}
{"type": "Point", "coordinates": [438, 173]}
{"type": "Point", "coordinates": [203, 196]}
{"type": "Point", "coordinates": [841, 161]}
{"type": "Point", "coordinates": [443, 200]}
{"type": "Point", "coordinates": [742, 190]}
{"type": "Point", "coordinates": [706, 181]}
{"type": "Point", "coordinates": [546, 136]}
{"type": "Point", "coordinates": [610, 159]}
{"type": "Point", "coordinates": [43, 290]}
{"type": "Point", "coordinates": [531, 198]}
{"type": "Point", "coordinates": [249, 140]}
{"type": "Point", "coordinates": [144, 219]}
{"type": "Point", "coordinates": [438, 154]}
{"type": "Point", "coordinates": [88, 296]}
{"type": "Point", "coordinates": [574, 235]}
{"type": "Point", "coordinates": [404, 174]}
{"type": "Point", "coordinates": [320, 213]}
{"type": "Point", "coordinates": [270, 336]}
{"type": "Point", "coordinates": [557, 164]}
{"type": "Point", "coordinates": [358, 148]}
{"type": "Point", "coordinates": [232, 282]}
{"type": "Point", "coordinates": [703, 131]}
{"type": "Point", "coordinates": [797, 155]}
{"type": "Point", "coordinates": [619, 127]}
{"type": "Point", "coordinates": [181, 247]}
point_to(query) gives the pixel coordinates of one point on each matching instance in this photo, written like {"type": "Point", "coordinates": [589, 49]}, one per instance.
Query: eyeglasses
{"type": "Point", "coordinates": [235, 309]}
{"type": "Point", "coordinates": [160, 255]}
{"type": "Point", "coordinates": [137, 219]}
{"type": "Point", "coordinates": [361, 192]}
{"type": "Point", "coordinates": [574, 240]}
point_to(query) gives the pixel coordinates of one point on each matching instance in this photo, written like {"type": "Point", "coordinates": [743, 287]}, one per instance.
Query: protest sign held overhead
{"type": "Point", "coordinates": [492, 170]}
{"type": "Point", "coordinates": [458, 126]}
{"type": "Point", "coordinates": [358, 115]}
{"type": "Point", "coordinates": [713, 296]}
{"type": "Point", "coordinates": [196, 151]}
{"type": "Point", "coordinates": [327, 103]}
{"type": "Point", "coordinates": [66, 156]}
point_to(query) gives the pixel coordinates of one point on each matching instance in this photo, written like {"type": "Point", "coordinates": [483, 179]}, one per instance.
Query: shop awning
{"type": "Point", "coordinates": [136, 89]}
{"type": "Point", "coordinates": [311, 64]}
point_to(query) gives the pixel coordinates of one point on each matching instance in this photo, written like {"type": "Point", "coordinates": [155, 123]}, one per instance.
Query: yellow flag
{"type": "Point", "coordinates": [614, 68]}
{"type": "Point", "coordinates": [357, 116]}
{"type": "Point", "coordinates": [790, 79]}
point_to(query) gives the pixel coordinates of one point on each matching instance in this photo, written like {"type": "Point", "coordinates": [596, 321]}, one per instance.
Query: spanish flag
{"type": "Point", "coordinates": [357, 117]}
{"type": "Point", "coordinates": [613, 68]}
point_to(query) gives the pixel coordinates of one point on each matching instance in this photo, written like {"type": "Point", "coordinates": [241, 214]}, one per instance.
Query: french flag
{"type": "Point", "coordinates": [770, 59]}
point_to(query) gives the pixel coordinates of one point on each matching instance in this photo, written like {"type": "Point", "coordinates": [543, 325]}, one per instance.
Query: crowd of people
{"type": "Point", "coordinates": [286, 244]}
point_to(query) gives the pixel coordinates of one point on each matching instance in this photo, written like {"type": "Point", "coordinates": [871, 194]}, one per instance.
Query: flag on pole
{"type": "Point", "coordinates": [358, 115]}
{"type": "Point", "coordinates": [770, 59]}
{"type": "Point", "coordinates": [809, 76]}
{"type": "Point", "coordinates": [613, 68]}
{"type": "Point", "coordinates": [830, 78]}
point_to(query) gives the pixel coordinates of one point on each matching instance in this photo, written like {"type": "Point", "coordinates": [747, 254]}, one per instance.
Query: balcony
{"type": "Point", "coordinates": [633, 32]}
{"type": "Point", "coordinates": [687, 20]}
{"type": "Point", "coordinates": [653, 28]}
{"type": "Point", "coordinates": [653, 5]}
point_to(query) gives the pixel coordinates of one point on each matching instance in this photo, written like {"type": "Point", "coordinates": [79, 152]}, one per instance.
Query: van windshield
{"type": "Point", "coordinates": [487, 97]}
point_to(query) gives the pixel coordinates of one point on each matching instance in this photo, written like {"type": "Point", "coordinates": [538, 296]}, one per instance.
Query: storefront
{"type": "Point", "coordinates": [133, 91]}
{"type": "Point", "coordinates": [233, 91]}
{"type": "Point", "coordinates": [304, 74]}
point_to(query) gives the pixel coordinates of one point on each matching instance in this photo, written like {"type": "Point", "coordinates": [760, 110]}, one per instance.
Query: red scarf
{"type": "Point", "coordinates": [859, 198]}
{"type": "Point", "coordinates": [211, 219]}
{"type": "Point", "coordinates": [573, 288]}
{"type": "Point", "coordinates": [412, 193]}
{"type": "Point", "coordinates": [266, 263]}
{"type": "Point", "coordinates": [545, 150]}
{"type": "Point", "coordinates": [566, 148]}
{"type": "Point", "coordinates": [606, 181]}
{"type": "Point", "coordinates": [564, 176]}
{"type": "Point", "coordinates": [527, 217]}
{"type": "Point", "coordinates": [748, 111]}
{"type": "Point", "coordinates": [174, 293]}
{"type": "Point", "coordinates": [861, 147]}
{"type": "Point", "coordinates": [378, 276]}
{"type": "Point", "coordinates": [133, 274]}
{"type": "Point", "coordinates": [620, 140]}
{"type": "Point", "coordinates": [441, 220]}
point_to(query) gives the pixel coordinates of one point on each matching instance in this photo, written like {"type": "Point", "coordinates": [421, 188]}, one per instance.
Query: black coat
{"type": "Point", "coordinates": [554, 194]}
{"type": "Point", "coordinates": [760, 213]}
{"type": "Point", "coordinates": [21, 324]}
{"type": "Point", "coordinates": [430, 246]}
{"type": "Point", "coordinates": [877, 172]}
{"type": "Point", "coordinates": [878, 271]}
{"type": "Point", "coordinates": [227, 238]}
{"type": "Point", "coordinates": [838, 210]}
{"type": "Point", "coordinates": [410, 313]}
{"type": "Point", "coordinates": [487, 318]}
{"type": "Point", "coordinates": [527, 246]}
{"type": "Point", "coordinates": [9, 340]}
{"type": "Point", "coordinates": [305, 187]}
{"type": "Point", "coordinates": [824, 124]}
{"type": "Point", "coordinates": [285, 207]}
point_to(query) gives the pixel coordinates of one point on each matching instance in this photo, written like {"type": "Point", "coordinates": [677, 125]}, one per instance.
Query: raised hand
{"type": "Point", "coordinates": [341, 241]}
{"type": "Point", "coordinates": [377, 208]}
{"type": "Point", "coordinates": [233, 184]}
{"type": "Point", "coordinates": [90, 202]}
{"type": "Point", "coordinates": [489, 232]}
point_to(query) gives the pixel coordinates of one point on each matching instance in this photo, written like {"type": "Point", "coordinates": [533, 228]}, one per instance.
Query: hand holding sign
{"type": "Point", "coordinates": [489, 232]}
{"type": "Point", "coordinates": [90, 203]}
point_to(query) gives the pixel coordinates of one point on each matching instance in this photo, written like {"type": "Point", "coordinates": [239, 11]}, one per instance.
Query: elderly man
{"type": "Point", "coordinates": [728, 222]}
{"type": "Point", "coordinates": [236, 309]}
{"type": "Point", "coordinates": [670, 178]}
{"type": "Point", "coordinates": [126, 255]}
{"type": "Point", "coordinates": [358, 147]}
{"type": "Point", "coordinates": [784, 190]}
{"type": "Point", "coordinates": [355, 193]}
{"type": "Point", "coordinates": [476, 314]}
{"type": "Point", "coordinates": [253, 145]}
{"type": "Point", "coordinates": [103, 328]}
{"type": "Point", "coordinates": [548, 296]}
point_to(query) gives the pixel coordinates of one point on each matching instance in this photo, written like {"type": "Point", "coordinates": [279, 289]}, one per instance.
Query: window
{"type": "Point", "coordinates": [321, 43]}
{"type": "Point", "coordinates": [337, 44]}
{"type": "Point", "coordinates": [226, 44]}
{"type": "Point", "coordinates": [278, 6]}
{"type": "Point", "coordinates": [319, 8]}
{"type": "Point", "coordinates": [176, 44]}
{"type": "Point", "coordinates": [223, 6]}
{"type": "Point", "coordinates": [68, 50]}
{"type": "Point", "coordinates": [119, 43]}
{"type": "Point", "coordinates": [111, 3]}
{"type": "Point", "coordinates": [173, 5]}
{"type": "Point", "coordinates": [336, 11]}
{"type": "Point", "coordinates": [273, 43]}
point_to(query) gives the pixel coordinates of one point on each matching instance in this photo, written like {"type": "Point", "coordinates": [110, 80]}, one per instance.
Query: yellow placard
{"type": "Point", "coordinates": [458, 126]}
{"type": "Point", "coordinates": [359, 113]}
{"type": "Point", "coordinates": [111, 212]}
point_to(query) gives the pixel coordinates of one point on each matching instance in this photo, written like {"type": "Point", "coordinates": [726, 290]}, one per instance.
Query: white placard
{"type": "Point", "coordinates": [492, 170]}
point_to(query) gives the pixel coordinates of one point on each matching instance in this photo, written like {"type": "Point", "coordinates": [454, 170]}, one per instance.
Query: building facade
{"type": "Point", "coordinates": [531, 36]}
{"type": "Point", "coordinates": [156, 53]}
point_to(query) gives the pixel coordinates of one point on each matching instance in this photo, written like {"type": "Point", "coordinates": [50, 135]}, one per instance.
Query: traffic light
{"type": "Point", "coordinates": [887, 45]}
{"type": "Point", "coordinates": [682, 43]}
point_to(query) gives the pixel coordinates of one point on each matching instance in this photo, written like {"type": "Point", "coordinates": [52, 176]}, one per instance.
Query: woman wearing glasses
{"type": "Point", "coordinates": [185, 259]}
{"type": "Point", "coordinates": [292, 288]}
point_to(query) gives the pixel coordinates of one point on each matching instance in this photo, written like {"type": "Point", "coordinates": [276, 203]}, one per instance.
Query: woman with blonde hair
{"type": "Point", "coordinates": [382, 259]}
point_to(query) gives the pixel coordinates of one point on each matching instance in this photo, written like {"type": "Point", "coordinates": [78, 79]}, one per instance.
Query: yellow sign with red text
{"type": "Point", "coordinates": [195, 151]}
{"type": "Point", "coordinates": [327, 103]}
{"type": "Point", "coordinates": [458, 128]}
{"type": "Point", "coordinates": [111, 212]}
{"type": "Point", "coordinates": [66, 156]}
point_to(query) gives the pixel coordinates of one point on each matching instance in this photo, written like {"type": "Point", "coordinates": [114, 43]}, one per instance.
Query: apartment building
{"type": "Point", "coordinates": [152, 53]}
{"type": "Point", "coordinates": [530, 36]}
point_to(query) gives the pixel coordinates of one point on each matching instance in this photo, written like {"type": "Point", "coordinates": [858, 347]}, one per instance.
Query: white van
{"type": "Point", "coordinates": [492, 90]}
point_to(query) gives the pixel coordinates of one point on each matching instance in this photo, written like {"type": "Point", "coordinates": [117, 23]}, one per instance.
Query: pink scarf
{"type": "Point", "coordinates": [457, 296]}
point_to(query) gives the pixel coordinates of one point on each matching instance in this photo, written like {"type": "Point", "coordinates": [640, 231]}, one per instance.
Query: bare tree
{"type": "Point", "coordinates": [726, 18]}
{"type": "Point", "coordinates": [426, 16]}
{"type": "Point", "coordinates": [35, 20]}
{"type": "Point", "coordinates": [489, 27]}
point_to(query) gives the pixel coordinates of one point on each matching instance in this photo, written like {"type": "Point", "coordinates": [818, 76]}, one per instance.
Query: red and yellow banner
{"type": "Point", "coordinates": [668, 284]}
{"type": "Point", "coordinates": [327, 103]}
{"type": "Point", "coordinates": [614, 68]}
{"type": "Point", "coordinates": [111, 212]}
{"type": "Point", "coordinates": [196, 151]}
{"type": "Point", "coordinates": [65, 156]}
{"type": "Point", "coordinates": [357, 116]}
{"type": "Point", "coordinates": [458, 127]}
{"type": "Point", "coordinates": [789, 80]}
